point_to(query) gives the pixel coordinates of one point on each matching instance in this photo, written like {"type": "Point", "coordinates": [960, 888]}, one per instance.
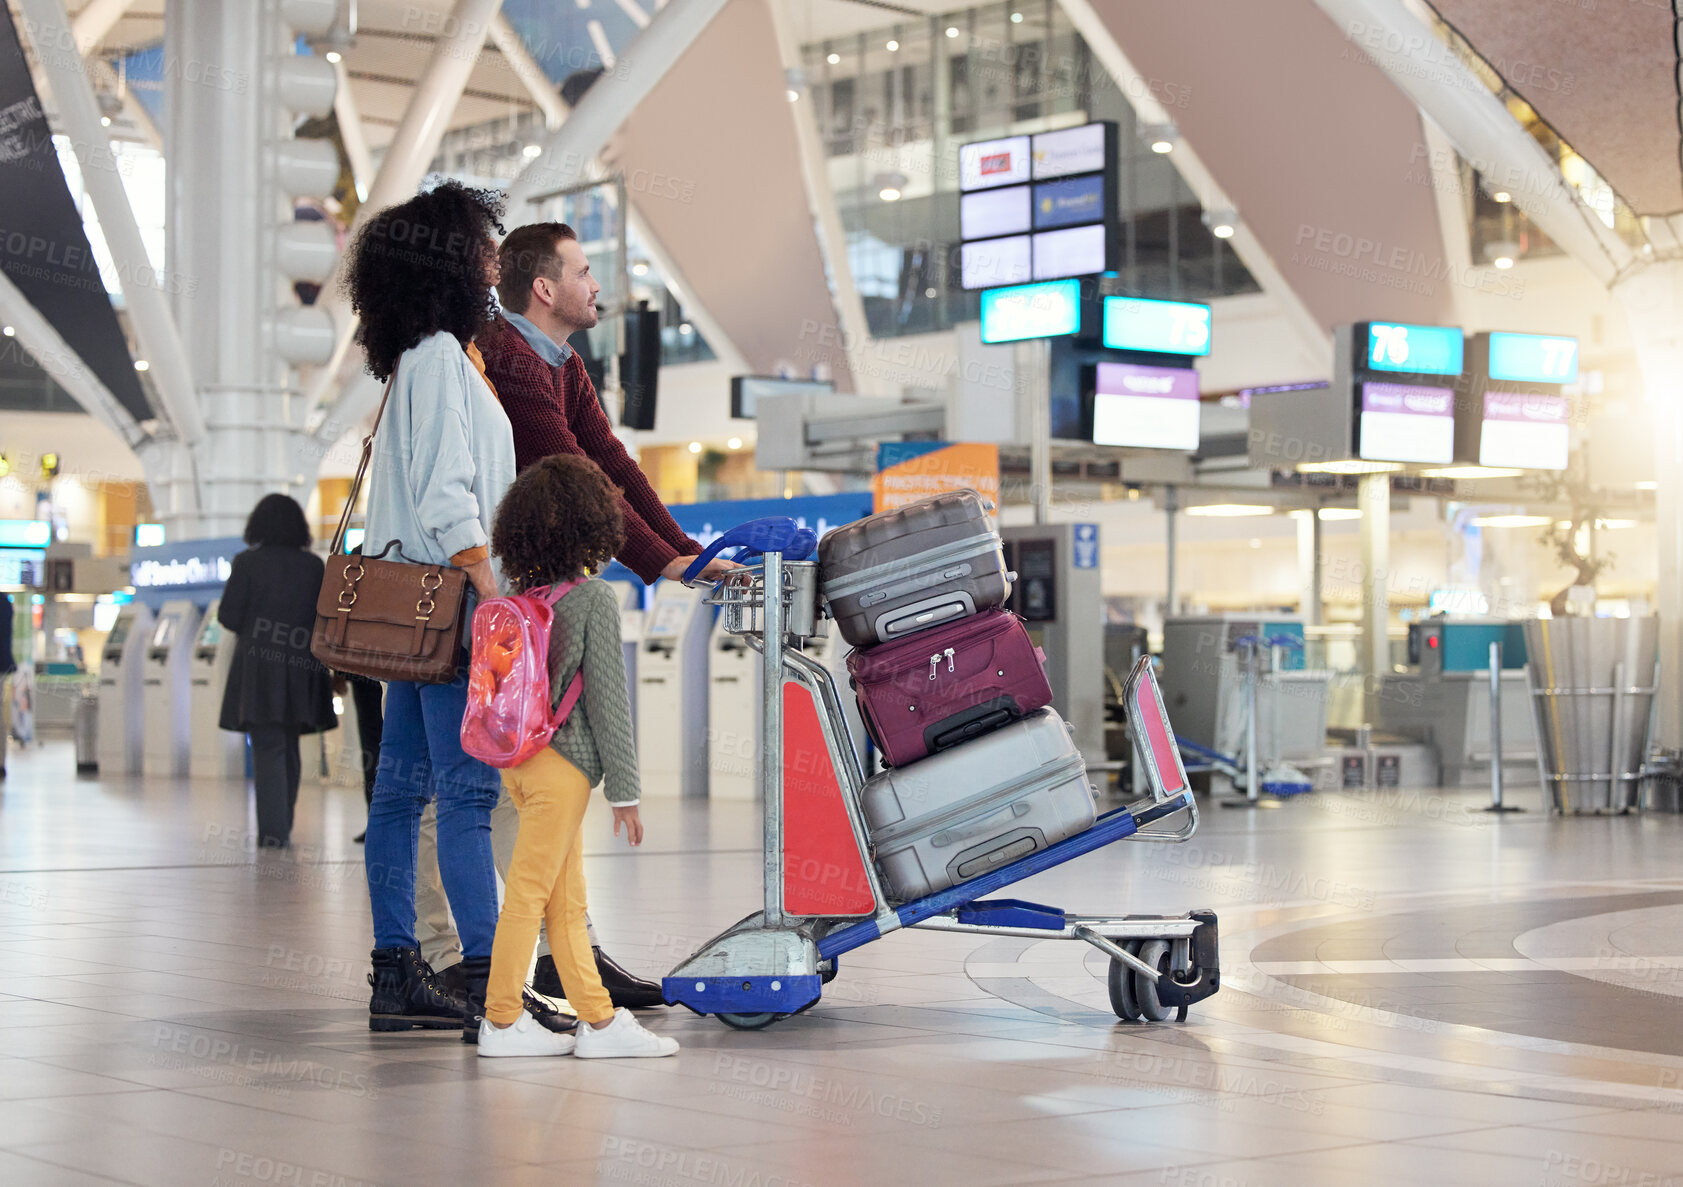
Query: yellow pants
{"type": "Point", "coordinates": [546, 883]}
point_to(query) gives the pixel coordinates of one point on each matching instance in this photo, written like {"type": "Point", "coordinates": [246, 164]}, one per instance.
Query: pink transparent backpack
{"type": "Point", "coordinates": [508, 718]}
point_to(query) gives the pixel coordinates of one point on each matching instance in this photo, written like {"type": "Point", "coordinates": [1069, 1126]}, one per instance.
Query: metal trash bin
{"type": "Point", "coordinates": [86, 724]}
{"type": "Point", "coordinates": [1593, 682]}
{"type": "Point", "coordinates": [1662, 782]}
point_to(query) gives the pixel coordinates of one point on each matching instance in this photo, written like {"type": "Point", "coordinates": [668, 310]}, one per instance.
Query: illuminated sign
{"type": "Point", "coordinates": [1069, 202]}
{"type": "Point", "coordinates": [1525, 430]}
{"type": "Point", "coordinates": [987, 214]}
{"type": "Point", "coordinates": [1415, 350]}
{"type": "Point", "coordinates": [1072, 150]}
{"type": "Point", "coordinates": [1031, 311]}
{"type": "Point", "coordinates": [990, 163]}
{"type": "Point", "coordinates": [1533, 358]}
{"type": "Point", "coordinates": [990, 262]}
{"type": "Point", "coordinates": [1400, 423]}
{"type": "Point", "coordinates": [1145, 407]}
{"type": "Point", "coordinates": [1079, 251]}
{"type": "Point", "coordinates": [1163, 327]}
{"type": "Point", "coordinates": [25, 533]}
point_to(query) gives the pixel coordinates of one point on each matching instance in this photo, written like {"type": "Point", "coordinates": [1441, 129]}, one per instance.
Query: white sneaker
{"type": "Point", "coordinates": [623, 1038]}
{"type": "Point", "coordinates": [525, 1037]}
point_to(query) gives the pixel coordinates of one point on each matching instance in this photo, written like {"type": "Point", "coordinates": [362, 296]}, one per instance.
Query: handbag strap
{"type": "Point", "coordinates": [361, 469]}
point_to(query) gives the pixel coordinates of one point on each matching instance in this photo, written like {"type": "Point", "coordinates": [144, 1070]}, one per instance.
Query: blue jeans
{"type": "Point", "coordinates": [421, 757]}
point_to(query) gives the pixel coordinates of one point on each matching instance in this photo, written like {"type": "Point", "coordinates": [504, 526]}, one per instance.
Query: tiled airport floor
{"type": "Point", "coordinates": [1413, 993]}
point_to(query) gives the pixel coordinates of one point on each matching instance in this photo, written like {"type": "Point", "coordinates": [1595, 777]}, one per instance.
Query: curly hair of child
{"type": "Point", "coordinates": [561, 517]}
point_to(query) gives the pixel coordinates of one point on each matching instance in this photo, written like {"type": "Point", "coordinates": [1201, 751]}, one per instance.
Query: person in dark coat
{"type": "Point", "coordinates": [276, 689]}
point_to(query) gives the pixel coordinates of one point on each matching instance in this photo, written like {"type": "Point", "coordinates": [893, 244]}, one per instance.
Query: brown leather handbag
{"type": "Point", "coordinates": [388, 620]}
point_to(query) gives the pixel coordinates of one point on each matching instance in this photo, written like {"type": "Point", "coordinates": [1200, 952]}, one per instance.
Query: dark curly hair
{"type": "Point", "coordinates": [560, 517]}
{"type": "Point", "coordinates": [419, 267]}
{"type": "Point", "coordinates": [277, 519]}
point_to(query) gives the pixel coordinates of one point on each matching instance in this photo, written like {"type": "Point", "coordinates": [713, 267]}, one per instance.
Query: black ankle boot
{"type": "Point", "coordinates": [625, 988]}
{"type": "Point", "coordinates": [407, 993]}
{"type": "Point", "coordinates": [476, 970]}
{"type": "Point", "coordinates": [545, 979]}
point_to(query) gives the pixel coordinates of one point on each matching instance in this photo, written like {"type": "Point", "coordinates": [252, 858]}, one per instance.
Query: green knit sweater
{"type": "Point", "coordinates": [597, 736]}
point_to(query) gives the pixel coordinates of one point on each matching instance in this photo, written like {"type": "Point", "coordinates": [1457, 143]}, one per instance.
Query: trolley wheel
{"type": "Point", "coordinates": [1122, 987]}
{"type": "Point", "coordinates": [1156, 954]}
{"type": "Point", "coordinates": [748, 1021]}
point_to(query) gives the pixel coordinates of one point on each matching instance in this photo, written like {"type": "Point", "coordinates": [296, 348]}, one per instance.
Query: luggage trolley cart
{"type": "Point", "coordinates": [823, 895]}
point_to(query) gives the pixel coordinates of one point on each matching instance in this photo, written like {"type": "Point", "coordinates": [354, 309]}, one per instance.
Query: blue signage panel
{"type": "Point", "coordinates": [1048, 310]}
{"type": "Point", "coordinates": [1164, 327]}
{"type": "Point", "coordinates": [1413, 350]}
{"type": "Point", "coordinates": [1533, 358]}
{"type": "Point", "coordinates": [192, 569]}
{"type": "Point", "coordinates": [1070, 202]}
{"type": "Point", "coordinates": [25, 533]}
{"type": "Point", "coordinates": [1086, 550]}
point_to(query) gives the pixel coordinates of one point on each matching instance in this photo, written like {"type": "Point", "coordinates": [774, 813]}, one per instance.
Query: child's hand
{"type": "Point", "coordinates": [632, 821]}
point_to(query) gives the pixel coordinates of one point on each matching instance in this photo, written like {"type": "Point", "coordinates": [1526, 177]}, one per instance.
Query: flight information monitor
{"type": "Point", "coordinates": [1402, 423]}
{"type": "Point", "coordinates": [1527, 430]}
{"type": "Point", "coordinates": [1413, 350]}
{"type": "Point", "coordinates": [1145, 407]}
{"type": "Point", "coordinates": [1161, 327]}
{"type": "Point", "coordinates": [1031, 311]}
{"type": "Point", "coordinates": [1533, 358]}
{"type": "Point", "coordinates": [990, 163]}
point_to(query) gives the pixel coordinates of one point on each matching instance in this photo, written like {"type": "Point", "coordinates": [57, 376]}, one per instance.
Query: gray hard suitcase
{"type": "Point", "coordinates": [958, 814]}
{"type": "Point", "coordinates": [892, 574]}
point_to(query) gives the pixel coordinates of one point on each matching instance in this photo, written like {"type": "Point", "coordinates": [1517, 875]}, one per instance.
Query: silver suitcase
{"type": "Point", "coordinates": [958, 814]}
{"type": "Point", "coordinates": [897, 572]}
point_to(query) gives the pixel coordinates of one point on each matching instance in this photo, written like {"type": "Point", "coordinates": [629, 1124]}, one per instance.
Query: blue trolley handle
{"type": "Point", "coordinates": [775, 533]}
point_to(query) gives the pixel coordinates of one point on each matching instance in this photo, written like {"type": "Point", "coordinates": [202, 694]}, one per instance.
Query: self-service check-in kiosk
{"type": "Point", "coordinates": [672, 692]}
{"type": "Point", "coordinates": [166, 686]}
{"type": "Point", "coordinates": [214, 753]}
{"type": "Point", "coordinates": [630, 632]}
{"type": "Point", "coordinates": [735, 676]}
{"type": "Point", "coordinates": [121, 719]}
{"type": "Point", "coordinates": [1060, 597]}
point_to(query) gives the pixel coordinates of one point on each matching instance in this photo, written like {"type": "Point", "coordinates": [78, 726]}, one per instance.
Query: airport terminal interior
{"type": "Point", "coordinates": [1114, 570]}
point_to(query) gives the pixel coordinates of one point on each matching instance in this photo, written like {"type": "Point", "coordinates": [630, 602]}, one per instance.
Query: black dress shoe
{"type": "Point", "coordinates": [361, 838]}
{"type": "Point", "coordinates": [546, 1015]}
{"type": "Point", "coordinates": [625, 989]}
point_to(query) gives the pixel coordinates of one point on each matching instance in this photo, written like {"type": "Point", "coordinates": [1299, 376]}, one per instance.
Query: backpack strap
{"type": "Point", "coordinates": [569, 699]}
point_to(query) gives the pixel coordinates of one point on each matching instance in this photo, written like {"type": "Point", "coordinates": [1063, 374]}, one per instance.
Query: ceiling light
{"type": "Point", "coordinates": [1221, 221]}
{"type": "Point", "coordinates": [792, 95]}
{"type": "Point", "coordinates": [734, 443]}
{"type": "Point", "coordinates": [142, 365]}
{"type": "Point", "coordinates": [1162, 146]}
{"type": "Point", "coordinates": [892, 46]}
{"type": "Point", "coordinates": [1501, 196]}
{"type": "Point", "coordinates": [105, 121]}
{"type": "Point", "coordinates": [1511, 521]}
{"type": "Point", "coordinates": [333, 56]}
{"type": "Point", "coordinates": [531, 151]}
{"type": "Point", "coordinates": [834, 59]}
{"type": "Point", "coordinates": [1349, 466]}
{"type": "Point", "coordinates": [685, 328]}
{"type": "Point", "coordinates": [1602, 525]}
{"type": "Point", "coordinates": [9, 331]}
{"type": "Point", "coordinates": [952, 30]}
{"type": "Point", "coordinates": [889, 193]}
{"type": "Point", "coordinates": [1333, 514]}
{"type": "Point", "coordinates": [889, 186]}
{"type": "Point", "coordinates": [1229, 510]}
{"type": "Point", "coordinates": [639, 268]}
{"type": "Point", "coordinates": [1016, 18]}
{"type": "Point", "coordinates": [1501, 253]}
{"type": "Point", "coordinates": [1161, 137]}
{"type": "Point", "coordinates": [1503, 263]}
{"type": "Point", "coordinates": [695, 447]}
{"type": "Point", "coordinates": [1470, 472]}
{"type": "Point", "coordinates": [1649, 485]}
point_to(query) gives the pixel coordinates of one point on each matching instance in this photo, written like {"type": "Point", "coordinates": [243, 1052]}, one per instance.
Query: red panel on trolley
{"type": "Point", "coordinates": [823, 873]}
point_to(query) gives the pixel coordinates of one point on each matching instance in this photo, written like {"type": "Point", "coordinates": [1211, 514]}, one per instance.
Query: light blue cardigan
{"type": "Point", "coordinates": [443, 456]}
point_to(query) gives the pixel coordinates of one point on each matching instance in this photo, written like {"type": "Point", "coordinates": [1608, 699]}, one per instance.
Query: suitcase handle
{"type": "Point", "coordinates": [774, 533]}
{"type": "Point", "coordinates": [970, 729]}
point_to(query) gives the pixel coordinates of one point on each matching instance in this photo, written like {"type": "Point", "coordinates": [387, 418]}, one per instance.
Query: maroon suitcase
{"type": "Point", "coordinates": [948, 684]}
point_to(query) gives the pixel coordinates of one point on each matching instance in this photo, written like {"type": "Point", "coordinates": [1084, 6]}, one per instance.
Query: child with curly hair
{"type": "Point", "coordinates": [560, 521]}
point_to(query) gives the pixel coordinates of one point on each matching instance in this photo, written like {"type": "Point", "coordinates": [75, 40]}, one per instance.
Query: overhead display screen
{"type": "Point", "coordinates": [987, 214]}
{"type": "Point", "coordinates": [990, 163]}
{"type": "Point", "coordinates": [1145, 407]}
{"type": "Point", "coordinates": [1031, 311]}
{"type": "Point", "coordinates": [1416, 350]}
{"type": "Point", "coordinates": [1533, 358]}
{"type": "Point", "coordinates": [1400, 423]}
{"type": "Point", "coordinates": [1072, 150]}
{"type": "Point", "coordinates": [989, 262]}
{"type": "Point", "coordinates": [1163, 327]}
{"type": "Point", "coordinates": [1069, 202]}
{"type": "Point", "coordinates": [1079, 251]}
{"type": "Point", "coordinates": [1527, 430]}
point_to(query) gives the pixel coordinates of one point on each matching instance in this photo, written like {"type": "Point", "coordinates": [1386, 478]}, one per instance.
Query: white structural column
{"type": "Point", "coordinates": [1653, 304]}
{"type": "Point", "coordinates": [524, 67]}
{"type": "Point", "coordinates": [1309, 565]}
{"type": "Point", "coordinates": [1373, 496]}
{"type": "Point", "coordinates": [351, 133]}
{"type": "Point", "coordinates": [570, 151]}
{"type": "Point", "coordinates": [45, 346]}
{"type": "Point", "coordinates": [1139, 90]}
{"type": "Point", "coordinates": [412, 149]}
{"type": "Point", "coordinates": [148, 307]}
{"type": "Point", "coordinates": [96, 20]}
{"type": "Point", "coordinates": [1481, 128]}
{"type": "Point", "coordinates": [832, 236]}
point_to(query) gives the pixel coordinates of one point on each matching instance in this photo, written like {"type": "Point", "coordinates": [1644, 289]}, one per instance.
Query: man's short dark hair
{"type": "Point", "coordinates": [528, 253]}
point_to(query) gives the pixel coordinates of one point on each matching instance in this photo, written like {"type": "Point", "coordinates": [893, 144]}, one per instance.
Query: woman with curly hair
{"type": "Point", "coordinates": [419, 276]}
{"type": "Point", "coordinates": [559, 522]}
